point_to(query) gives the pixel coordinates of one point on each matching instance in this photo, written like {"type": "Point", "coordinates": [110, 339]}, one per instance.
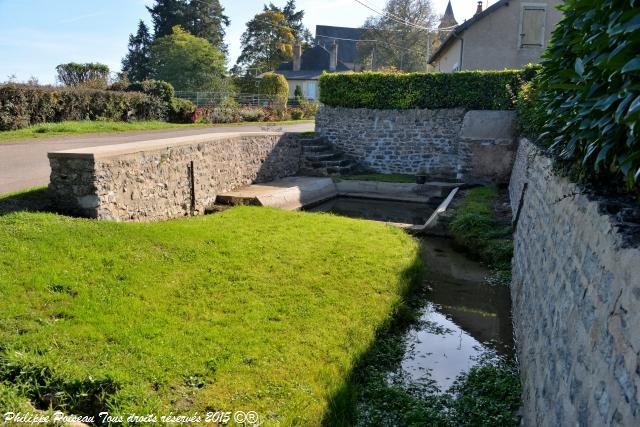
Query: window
{"type": "Point", "coordinates": [310, 90]}
{"type": "Point", "coordinates": [532, 25]}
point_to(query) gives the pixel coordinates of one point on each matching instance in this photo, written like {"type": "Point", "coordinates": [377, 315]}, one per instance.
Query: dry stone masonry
{"type": "Point", "coordinates": [475, 146]}
{"type": "Point", "coordinates": [162, 179]}
{"type": "Point", "coordinates": [576, 289]}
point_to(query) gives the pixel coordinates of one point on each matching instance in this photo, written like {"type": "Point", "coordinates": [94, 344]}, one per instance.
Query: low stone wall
{"type": "Point", "coordinates": [161, 179]}
{"type": "Point", "coordinates": [475, 146]}
{"type": "Point", "coordinates": [576, 299]}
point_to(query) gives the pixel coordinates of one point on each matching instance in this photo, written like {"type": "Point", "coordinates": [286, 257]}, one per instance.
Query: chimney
{"type": "Point", "coordinates": [479, 9]}
{"type": "Point", "coordinates": [333, 57]}
{"type": "Point", "coordinates": [297, 56]}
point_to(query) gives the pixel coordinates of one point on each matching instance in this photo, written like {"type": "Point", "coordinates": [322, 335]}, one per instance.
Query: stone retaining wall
{"type": "Point", "coordinates": [161, 179]}
{"type": "Point", "coordinates": [576, 299]}
{"type": "Point", "coordinates": [474, 146]}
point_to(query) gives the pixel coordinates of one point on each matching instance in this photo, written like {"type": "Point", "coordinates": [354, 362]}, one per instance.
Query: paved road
{"type": "Point", "coordinates": [24, 164]}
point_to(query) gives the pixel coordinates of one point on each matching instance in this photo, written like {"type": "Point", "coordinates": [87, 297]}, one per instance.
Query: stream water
{"type": "Point", "coordinates": [464, 319]}
{"type": "Point", "coordinates": [377, 210]}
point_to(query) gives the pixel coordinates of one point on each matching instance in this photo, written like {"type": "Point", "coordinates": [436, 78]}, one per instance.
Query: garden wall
{"type": "Point", "coordinates": [474, 146]}
{"type": "Point", "coordinates": [161, 179]}
{"type": "Point", "coordinates": [576, 299]}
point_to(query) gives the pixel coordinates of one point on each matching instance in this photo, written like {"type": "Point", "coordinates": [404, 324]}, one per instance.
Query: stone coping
{"type": "Point", "coordinates": [111, 151]}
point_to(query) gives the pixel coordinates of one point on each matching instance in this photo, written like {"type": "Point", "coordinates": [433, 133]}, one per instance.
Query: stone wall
{"type": "Point", "coordinates": [475, 146]}
{"type": "Point", "coordinates": [576, 299]}
{"type": "Point", "coordinates": [161, 179]}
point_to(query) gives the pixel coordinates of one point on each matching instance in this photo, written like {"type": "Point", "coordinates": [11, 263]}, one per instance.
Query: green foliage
{"type": "Point", "coordinates": [294, 20]}
{"type": "Point", "coordinates": [251, 308]}
{"type": "Point", "coordinates": [136, 64]}
{"type": "Point", "coordinates": [296, 114]}
{"type": "Point", "coordinates": [298, 92]}
{"type": "Point", "coordinates": [488, 395]}
{"type": "Point", "coordinates": [90, 75]}
{"type": "Point", "coordinates": [188, 62]}
{"type": "Point", "coordinates": [202, 18]}
{"type": "Point", "coordinates": [476, 229]}
{"type": "Point", "coordinates": [591, 92]}
{"type": "Point", "coordinates": [23, 105]}
{"type": "Point", "coordinates": [531, 111]}
{"type": "Point", "coordinates": [267, 42]}
{"type": "Point", "coordinates": [181, 110]}
{"type": "Point", "coordinates": [276, 88]}
{"type": "Point", "coordinates": [473, 90]}
{"type": "Point", "coordinates": [155, 88]}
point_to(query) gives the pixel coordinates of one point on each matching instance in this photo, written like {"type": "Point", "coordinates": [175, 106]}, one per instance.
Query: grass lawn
{"type": "Point", "coordinates": [252, 309]}
{"type": "Point", "coordinates": [48, 130]}
{"type": "Point", "coordinates": [398, 178]}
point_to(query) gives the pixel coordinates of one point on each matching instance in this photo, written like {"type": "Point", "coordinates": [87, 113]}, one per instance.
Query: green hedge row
{"type": "Point", "coordinates": [473, 90]}
{"type": "Point", "coordinates": [590, 90]}
{"type": "Point", "coordinates": [25, 105]}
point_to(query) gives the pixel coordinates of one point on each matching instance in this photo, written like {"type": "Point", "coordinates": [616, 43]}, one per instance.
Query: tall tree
{"type": "Point", "coordinates": [267, 41]}
{"type": "Point", "coordinates": [206, 19]}
{"type": "Point", "coordinates": [401, 35]}
{"type": "Point", "coordinates": [137, 62]}
{"type": "Point", "coordinates": [188, 62]}
{"type": "Point", "coordinates": [202, 18]}
{"type": "Point", "coordinates": [294, 19]}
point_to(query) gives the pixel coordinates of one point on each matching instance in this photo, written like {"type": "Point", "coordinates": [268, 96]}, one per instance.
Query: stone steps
{"type": "Point", "coordinates": [322, 159]}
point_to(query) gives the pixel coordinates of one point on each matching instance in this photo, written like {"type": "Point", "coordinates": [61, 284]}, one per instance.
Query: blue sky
{"type": "Point", "coordinates": [36, 35]}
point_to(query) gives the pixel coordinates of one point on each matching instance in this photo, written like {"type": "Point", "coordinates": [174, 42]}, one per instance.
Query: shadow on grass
{"type": "Point", "coordinates": [34, 200]}
{"type": "Point", "coordinates": [343, 404]}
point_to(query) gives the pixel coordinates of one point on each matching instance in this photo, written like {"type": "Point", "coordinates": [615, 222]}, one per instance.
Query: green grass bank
{"type": "Point", "coordinates": [252, 309]}
{"type": "Point", "coordinates": [50, 130]}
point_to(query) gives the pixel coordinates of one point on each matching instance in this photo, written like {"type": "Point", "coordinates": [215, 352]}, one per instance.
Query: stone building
{"type": "Point", "coordinates": [508, 34]}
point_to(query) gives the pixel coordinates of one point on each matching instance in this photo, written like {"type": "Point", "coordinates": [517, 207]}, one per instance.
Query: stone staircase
{"type": "Point", "coordinates": [321, 159]}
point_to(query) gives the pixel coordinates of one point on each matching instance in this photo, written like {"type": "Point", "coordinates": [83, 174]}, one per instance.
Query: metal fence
{"type": "Point", "coordinates": [214, 99]}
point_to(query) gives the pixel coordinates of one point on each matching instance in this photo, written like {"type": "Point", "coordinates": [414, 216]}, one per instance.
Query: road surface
{"type": "Point", "coordinates": [24, 164]}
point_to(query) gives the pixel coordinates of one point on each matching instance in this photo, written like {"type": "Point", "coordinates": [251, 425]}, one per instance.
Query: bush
{"type": "Point", "coordinates": [249, 114]}
{"type": "Point", "coordinates": [590, 90]}
{"type": "Point", "coordinates": [296, 113]}
{"type": "Point", "coordinates": [181, 110]}
{"type": "Point", "coordinates": [235, 114]}
{"type": "Point", "coordinates": [309, 108]}
{"type": "Point", "coordinates": [531, 112]}
{"type": "Point", "coordinates": [90, 75]}
{"type": "Point", "coordinates": [276, 88]}
{"type": "Point", "coordinates": [473, 90]}
{"type": "Point", "coordinates": [157, 88]}
{"type": "Point", "coordinates": [24, 105]}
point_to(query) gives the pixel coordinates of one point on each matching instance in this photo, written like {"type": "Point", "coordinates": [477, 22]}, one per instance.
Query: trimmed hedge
{"type": "Point", "coordinates": [472, 90]}
{"type": "Point", "coordinates": [591, 93]}
{"type": "Point", "coordinates": [24, 105]}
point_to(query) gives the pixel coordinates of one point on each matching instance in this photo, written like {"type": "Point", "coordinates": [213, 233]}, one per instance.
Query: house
{"type": "Point", "coordinates": [335, 49]}
{"type": "Point", "coordinates": [508, 34]}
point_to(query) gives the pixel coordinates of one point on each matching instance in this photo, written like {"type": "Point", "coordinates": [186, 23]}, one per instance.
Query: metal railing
{"type": "Point", "coordinates": [215, 99]}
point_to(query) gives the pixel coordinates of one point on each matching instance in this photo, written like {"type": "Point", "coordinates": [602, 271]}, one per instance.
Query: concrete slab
{"type": "Point", "coordinates": [289, 193]}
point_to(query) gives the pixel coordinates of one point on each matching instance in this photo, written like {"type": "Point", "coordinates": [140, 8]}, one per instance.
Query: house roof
{"type": "Point", "coordinates": [464, 26]}
{"type": "Point", "coordinates": [347, 49]}
{"type": "Point", "coordinates": [313, 62]}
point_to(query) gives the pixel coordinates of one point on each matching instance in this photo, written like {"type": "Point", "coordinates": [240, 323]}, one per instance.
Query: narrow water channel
{"type": "Point", "coordinates": [463, 319]}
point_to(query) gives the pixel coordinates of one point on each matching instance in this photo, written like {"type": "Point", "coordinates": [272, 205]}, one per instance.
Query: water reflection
{"type": "Point", "coordinates": [463, 319]}
{"type": "Point", "coordinates": [377, 210]}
